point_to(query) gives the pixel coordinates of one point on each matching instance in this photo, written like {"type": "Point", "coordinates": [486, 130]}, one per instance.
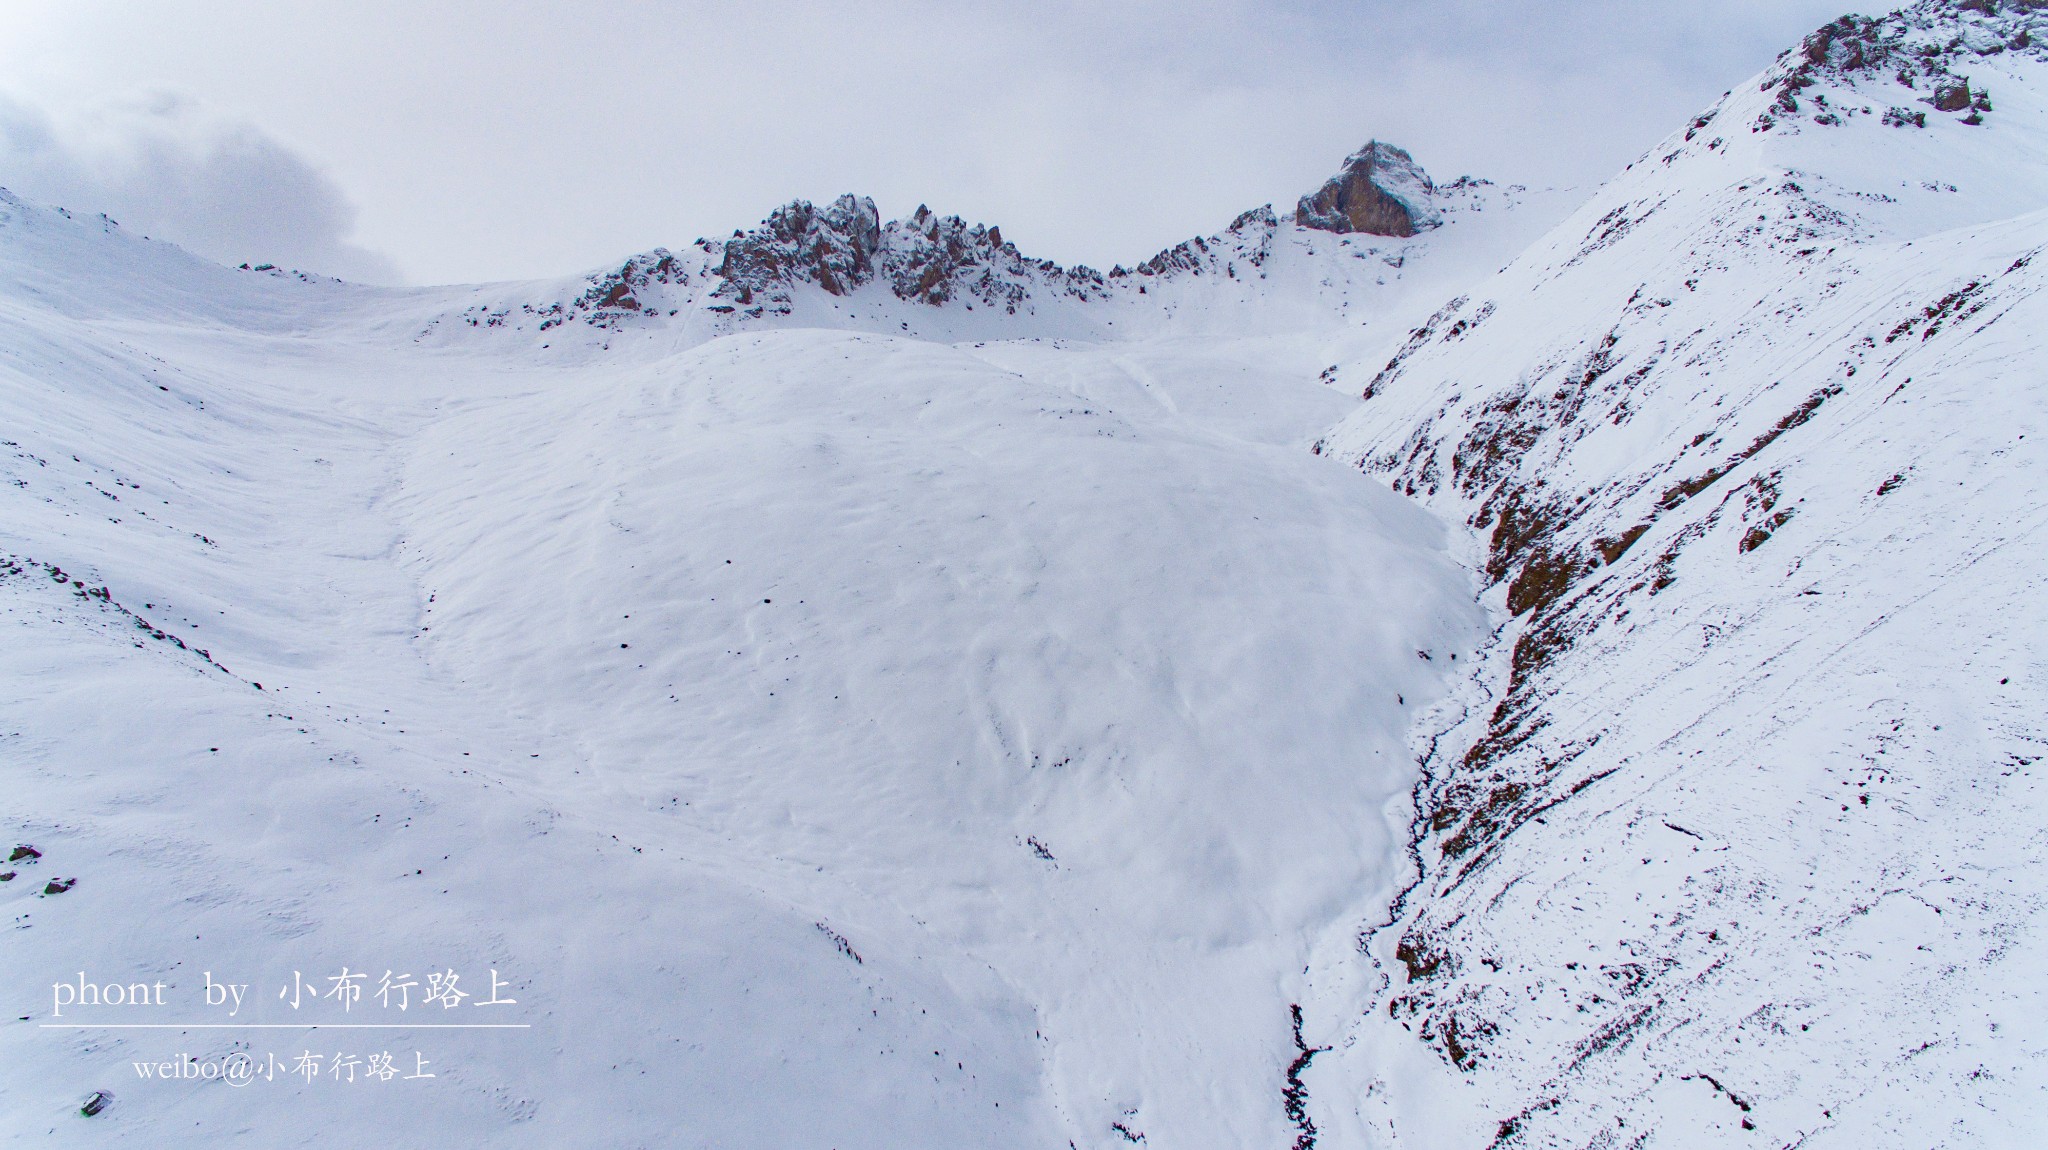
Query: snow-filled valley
{"type": "Point", "coordinates": [1041, 699]}
{"type": "Point", "coordinates": [1451, 665]}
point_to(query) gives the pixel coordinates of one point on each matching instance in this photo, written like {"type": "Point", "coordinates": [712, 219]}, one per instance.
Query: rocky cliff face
{"type": "Point", "coordinates": [1381, 191]}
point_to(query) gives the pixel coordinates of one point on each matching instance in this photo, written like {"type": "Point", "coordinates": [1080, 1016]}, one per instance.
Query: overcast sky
{"type": "Point", "coordinates": [411, 142]}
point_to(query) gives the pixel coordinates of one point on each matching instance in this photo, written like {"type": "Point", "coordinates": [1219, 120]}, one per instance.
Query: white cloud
{"type": "Point", "coordinates": [513, 138]}
{"type": "Point", "coordinates": [164, 168]}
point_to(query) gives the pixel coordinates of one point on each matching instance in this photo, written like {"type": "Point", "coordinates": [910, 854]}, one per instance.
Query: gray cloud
{"type": "Point", "coordinates": [161, 166]}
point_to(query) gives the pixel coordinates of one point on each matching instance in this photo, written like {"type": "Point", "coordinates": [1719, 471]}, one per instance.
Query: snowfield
{"type": "Point", "coordinates": [832, 735]}
{"type": "Point", "coordinates": [856, 686]}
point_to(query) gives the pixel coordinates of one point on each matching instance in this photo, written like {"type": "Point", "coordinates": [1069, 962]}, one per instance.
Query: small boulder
{"type": "Point", "coordinates": [1952, 97]}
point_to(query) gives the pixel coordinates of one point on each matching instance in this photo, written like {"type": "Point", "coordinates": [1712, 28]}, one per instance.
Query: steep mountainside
{"type": "Point", "coordinates": [1738, 839]}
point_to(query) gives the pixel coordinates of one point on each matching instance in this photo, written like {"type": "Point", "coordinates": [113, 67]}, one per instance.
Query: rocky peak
{"type": "Point", "coordinates": [928, 257]}
{"type": "Point", "coordinates": [923, 258]}
{"type": "Point", "coordinates": [833, 247]}
{"type": "Point", "coordinates": [1381, 191]}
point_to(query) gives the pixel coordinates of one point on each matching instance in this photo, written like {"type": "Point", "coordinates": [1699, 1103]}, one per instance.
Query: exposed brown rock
{"type": "Point", "coordinates": [1381, 191]}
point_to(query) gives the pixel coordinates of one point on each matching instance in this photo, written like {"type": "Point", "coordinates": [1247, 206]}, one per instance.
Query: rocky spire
{"type": "Point", "coordinates": [924, 258]}
{"type": "Point", "coordinates": [1381, 191]}
{"type": "Point", "coordinates": [833, 247]}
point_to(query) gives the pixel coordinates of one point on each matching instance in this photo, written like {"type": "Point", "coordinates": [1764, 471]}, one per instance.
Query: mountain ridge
{"type": "Point", "coordinates": [936, 261]}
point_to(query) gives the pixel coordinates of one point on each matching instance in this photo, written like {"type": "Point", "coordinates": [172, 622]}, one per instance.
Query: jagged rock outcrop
{"type": "Point", "coordinates": [932, 259]}
{"type": "Point", "coordinates": [1381, 191]}
{"type": "Point", "coordinates": [928, 252]}
{"type": "Point", "coordinates": [621, 290]}
{"type": "Point", "coordinates": [1915, 52]}
{"type": "Point", "coordinates": [833, 247]}
{"type": "Point", "coordinates": [924, 258]}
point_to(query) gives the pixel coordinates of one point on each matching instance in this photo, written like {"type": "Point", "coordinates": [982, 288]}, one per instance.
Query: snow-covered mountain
{"type": "Point", "coordinates": [830, 733]}
{"type": "Point", "coordinates": [856, 684]}
{"type": "Point", "coordinates": [1738, 840]}
{"type": "Point", "coordinates": [937, 277]}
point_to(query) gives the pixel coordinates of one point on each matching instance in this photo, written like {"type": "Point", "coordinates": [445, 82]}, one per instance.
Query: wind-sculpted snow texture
{"type": "Point", "coordinates": [1739, 837]}
{"type": "Point", "coordinates": [840, 734]}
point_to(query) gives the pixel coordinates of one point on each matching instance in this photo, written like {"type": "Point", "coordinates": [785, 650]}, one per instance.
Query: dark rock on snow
{"type": "Point", "coordinates": [1381, 191]}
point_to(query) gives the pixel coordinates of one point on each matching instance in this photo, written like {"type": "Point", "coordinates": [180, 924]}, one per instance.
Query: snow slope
{"type": "Point", "coordinates": [854, 615]}
{"type": "Point", "coordinates": [1738, 838]}
{"type": "Point", "coordinates": [713, 682]}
